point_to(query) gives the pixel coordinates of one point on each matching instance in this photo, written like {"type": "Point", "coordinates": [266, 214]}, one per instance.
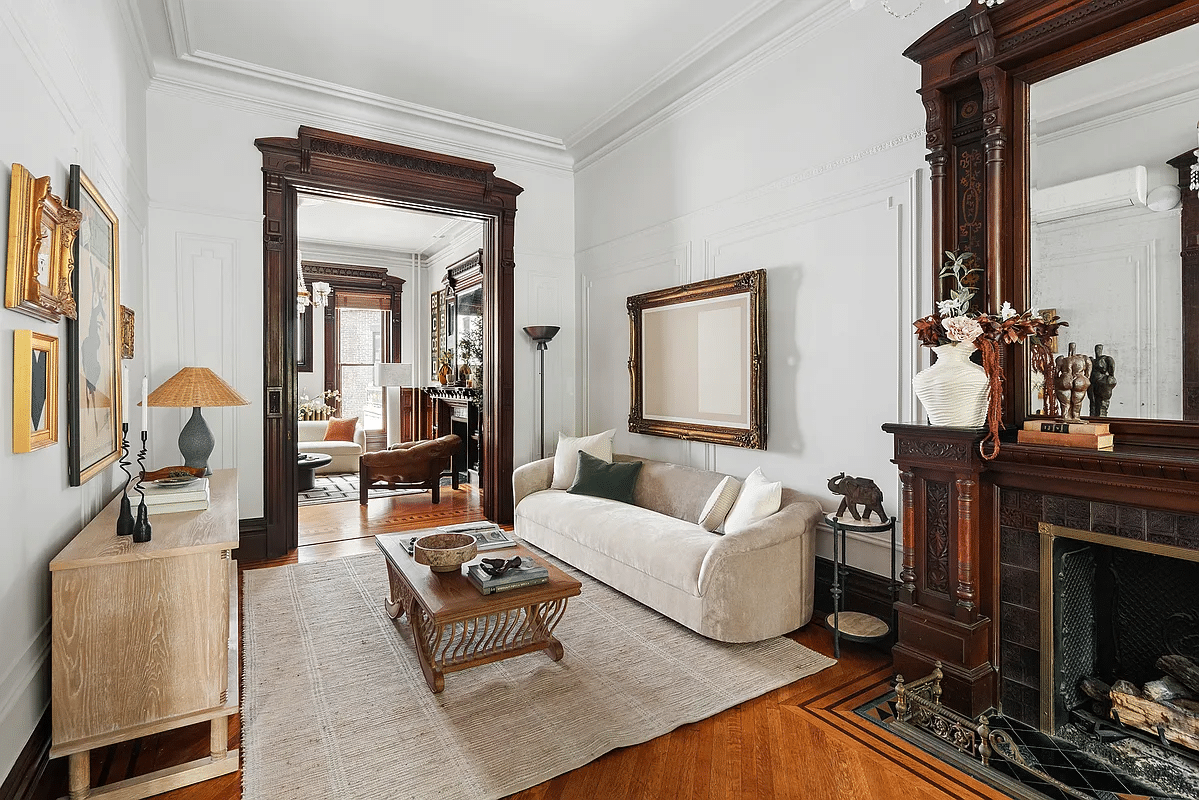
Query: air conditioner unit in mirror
{"type": "Point", "coordinates": [1121, 189]}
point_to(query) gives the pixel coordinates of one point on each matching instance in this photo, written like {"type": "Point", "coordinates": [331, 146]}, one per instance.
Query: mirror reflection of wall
{"type": "Point", "coordinates": [470, 336]}
{"type": "Point", "coordinates": [1106, 235]}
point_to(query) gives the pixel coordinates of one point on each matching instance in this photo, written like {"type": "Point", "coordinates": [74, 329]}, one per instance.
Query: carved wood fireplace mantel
{"type": "Point", "coordinates": [970, 579]}
{"type": "Point", "coordinates": [972, 553]}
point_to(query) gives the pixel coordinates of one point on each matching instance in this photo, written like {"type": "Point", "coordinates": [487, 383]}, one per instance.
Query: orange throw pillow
{"type": "Point", "coordinates": [341, 430]}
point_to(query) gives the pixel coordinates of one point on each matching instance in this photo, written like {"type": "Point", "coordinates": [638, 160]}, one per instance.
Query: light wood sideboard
{"type": "Point", "coordinates": [144, 640]}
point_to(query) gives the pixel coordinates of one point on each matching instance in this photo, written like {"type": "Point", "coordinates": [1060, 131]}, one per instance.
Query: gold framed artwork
{"type": "Point", "coordinates": [34, 391]}
{"type": "Point", "coordinates": [127, 331]}
{"type": "Point", "coordinates": [436, 331]}
{"type": "Point", "coordinates": [94, 339]}
{"type": "Point", "coordinates": [41, 231]}
{"type": "Point", "coordinates": [697, 361]}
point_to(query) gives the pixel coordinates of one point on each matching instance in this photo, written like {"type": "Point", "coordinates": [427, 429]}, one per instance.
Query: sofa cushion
{"type": "Point", "coordinates": [566, 457]}
{"type": "Point", "coordinates": [668, 549]}
{"type": "Point", "coordinates": [759, 498]}
{"type": "Point", "coordinates": [598, 478]}
{"type": "Point", "coordinates": [330, 448]}
{"type": "Point", "coordinates": [719, 503]}
{"type": "Point", "coordinates": [341, 430]}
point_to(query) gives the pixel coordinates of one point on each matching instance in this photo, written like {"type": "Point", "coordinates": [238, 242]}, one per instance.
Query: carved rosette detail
{"type": "Point", "coordinates": [936, 530]}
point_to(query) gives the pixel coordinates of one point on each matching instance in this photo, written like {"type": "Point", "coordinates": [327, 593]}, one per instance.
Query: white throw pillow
{"type": "Point", "coordinates": [759, 499]}
{"type": "Point", "coordinates": [566, 457]}
{"type": "Point", "coordinates": [719, 504]}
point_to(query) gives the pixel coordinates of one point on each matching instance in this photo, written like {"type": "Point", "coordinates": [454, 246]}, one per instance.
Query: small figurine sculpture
{"type": "Point", "coordinates": [855, 492]}
{"type": "Point", "coordinates": [1072, 378]}
{"type": "Point", "coordinates": [1103, 382]}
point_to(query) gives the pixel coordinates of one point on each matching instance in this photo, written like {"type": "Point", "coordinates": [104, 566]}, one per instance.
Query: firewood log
{"type": "Point", "coordinates": [1182, 668]}
{"type": "Point", "coordinates": [1177, 724]}
{"type": "Point", "coordinates": [1167, 689]}
{"type": "Point", "coordinates": [1096, 689]}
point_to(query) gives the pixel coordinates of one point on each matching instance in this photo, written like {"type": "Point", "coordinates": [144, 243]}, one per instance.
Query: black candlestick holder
{"type": "Point", "coordinates": [125, 520]}
{"type": "Point", "coordinates": [141, 528]}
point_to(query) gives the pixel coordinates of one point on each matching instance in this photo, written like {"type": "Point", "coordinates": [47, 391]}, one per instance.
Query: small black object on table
{"type": "Point", "coordinates": [306, 466]}
{"type": "Point", "coordinates": [853, 625]}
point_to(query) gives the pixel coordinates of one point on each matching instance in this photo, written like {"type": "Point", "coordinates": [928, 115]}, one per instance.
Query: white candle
{"type": "Point", "coordinates": [124, 394]}
{"type": "Point", "coordinates": [145, 404]}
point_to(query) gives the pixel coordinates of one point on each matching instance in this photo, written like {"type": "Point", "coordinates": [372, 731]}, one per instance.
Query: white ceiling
{"type": "Point", "coordinates": [561, 70]}
{"type": "Point", "coordinates": [333, 222]}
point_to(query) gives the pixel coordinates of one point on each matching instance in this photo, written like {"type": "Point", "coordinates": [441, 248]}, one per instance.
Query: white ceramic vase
{"type": "Point", "coordinates": [955, 390]}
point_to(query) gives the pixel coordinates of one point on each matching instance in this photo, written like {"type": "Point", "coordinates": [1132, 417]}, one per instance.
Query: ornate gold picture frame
{"type": "Point", "coordinates": [41, 232]}
{"type": "Point", "coordinates": [35, 391]}
{"type": "Point", "coordinates": [697, 360]}
{"type": "Point", "coordinates": [127, 332]}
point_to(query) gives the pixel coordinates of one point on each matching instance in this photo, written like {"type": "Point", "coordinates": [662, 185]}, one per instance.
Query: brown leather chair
{"type": "Point", "coordinates": [408, 465]}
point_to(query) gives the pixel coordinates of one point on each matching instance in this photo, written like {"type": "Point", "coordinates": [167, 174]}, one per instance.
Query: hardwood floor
{"type": "Point", "coordinates": [800, 741]}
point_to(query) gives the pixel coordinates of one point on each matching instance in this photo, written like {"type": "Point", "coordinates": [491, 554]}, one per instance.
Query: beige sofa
{"type": "Point", "coordinates": [741, 587]}
{"type": "Point", "coordinates": [311, 439]}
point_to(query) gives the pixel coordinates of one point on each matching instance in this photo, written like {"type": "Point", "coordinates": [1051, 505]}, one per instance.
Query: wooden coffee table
{"type": "Point", "coordinates": [455, 626]}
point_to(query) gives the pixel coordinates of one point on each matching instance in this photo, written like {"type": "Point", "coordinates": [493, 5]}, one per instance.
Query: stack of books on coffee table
{"type": "Point", "coordinates": [529, 573]}
{"type": "Point", "coordinates": [1085, 435]}
{"type": "Point", "coordinates": [171, 499]}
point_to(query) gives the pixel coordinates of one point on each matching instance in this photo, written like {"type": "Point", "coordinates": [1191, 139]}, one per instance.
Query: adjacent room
{"type": "Point", "coordinates": [654, 399]}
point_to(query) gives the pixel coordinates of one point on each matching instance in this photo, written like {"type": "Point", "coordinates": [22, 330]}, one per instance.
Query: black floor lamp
{"type": "Point", "coordinates": [542, 334]}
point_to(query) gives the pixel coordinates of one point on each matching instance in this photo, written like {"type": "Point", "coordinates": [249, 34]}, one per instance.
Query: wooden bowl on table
{"type": "Point", "coordinates": [444, 552]}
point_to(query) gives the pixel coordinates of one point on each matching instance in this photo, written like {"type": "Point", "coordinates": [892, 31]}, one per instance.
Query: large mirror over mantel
{"type": "Point", "coordinates": [1108, 149]}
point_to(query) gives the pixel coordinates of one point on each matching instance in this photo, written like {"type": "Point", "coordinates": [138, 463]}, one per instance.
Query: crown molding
{"type": "Point", "coordinates": [1116, 108]}
{"type": "Point", "coordinates": [136, 33]}
{"type": "Point", "coordinates": [347, 253]}
{"type": "Point", "coordinates": [741, 56]}
{"type": "Point", "coordinates": [709, 47]}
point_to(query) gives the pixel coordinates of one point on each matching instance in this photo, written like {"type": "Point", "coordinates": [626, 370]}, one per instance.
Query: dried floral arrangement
{"type": "Point", "coordinates": [954, 322]}
{"type": "Point", "coordinates": [319, 408]}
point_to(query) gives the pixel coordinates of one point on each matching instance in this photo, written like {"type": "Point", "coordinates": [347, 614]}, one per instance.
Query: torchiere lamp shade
{"type": "Point", "coordinates": [198, 387]}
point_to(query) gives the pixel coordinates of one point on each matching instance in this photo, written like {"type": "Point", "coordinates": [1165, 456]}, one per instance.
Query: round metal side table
{"type": "Point", "coordinates": [853, 625]}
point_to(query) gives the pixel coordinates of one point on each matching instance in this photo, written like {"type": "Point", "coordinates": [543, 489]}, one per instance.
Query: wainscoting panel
{"type": "Point", "coordinates": [207, 298]}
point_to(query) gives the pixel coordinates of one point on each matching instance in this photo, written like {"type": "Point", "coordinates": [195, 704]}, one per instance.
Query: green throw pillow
{"type": "Point", "coordinates": [598, 478]}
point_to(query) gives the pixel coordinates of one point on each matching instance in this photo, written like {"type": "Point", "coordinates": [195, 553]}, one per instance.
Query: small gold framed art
{"type": "Point", "coordinates": [35, 391]}
{"type": "Point", "coordinates": [41, 233]}
{"type": "Point", "coordinates": [126, 332]}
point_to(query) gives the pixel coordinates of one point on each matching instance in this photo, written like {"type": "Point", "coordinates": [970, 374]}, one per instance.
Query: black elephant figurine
{"type": "Point", "coordinates": [858, 492]}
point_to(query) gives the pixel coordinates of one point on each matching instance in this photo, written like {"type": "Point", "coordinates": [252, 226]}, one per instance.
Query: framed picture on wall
{"type": "Point", "coordinates": [436, 326]}
{"type": "Point", "coordinates": [34, 391]}
{"type": "Point", "coordinates": [698, 361]}
{"type": "Point", "coordinates": [94, 339]}
{"type": "Point", "coordinates": [41, 231]}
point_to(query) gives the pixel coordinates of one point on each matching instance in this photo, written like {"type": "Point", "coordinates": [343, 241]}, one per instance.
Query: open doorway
{"type": "Point", "coordinates": [381, 285]}
{"type": "Point", "coordinates": [336, 166]}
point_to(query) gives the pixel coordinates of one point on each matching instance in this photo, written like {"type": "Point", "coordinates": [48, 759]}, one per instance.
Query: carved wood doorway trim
{"type": "Point", "coordinates": [336, 165]}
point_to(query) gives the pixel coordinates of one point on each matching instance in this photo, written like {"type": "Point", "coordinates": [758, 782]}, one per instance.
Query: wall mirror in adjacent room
{"type": "Point", "coordinates": [698, 361]}
{"type": "Point", "coordinates": [1108, 149]}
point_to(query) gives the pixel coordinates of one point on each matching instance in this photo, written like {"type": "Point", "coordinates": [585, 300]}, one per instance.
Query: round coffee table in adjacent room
{"type": "Point", "coordinates": [306, 466]}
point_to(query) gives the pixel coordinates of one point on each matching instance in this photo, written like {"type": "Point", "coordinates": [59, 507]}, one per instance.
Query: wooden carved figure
{"type": "Point", "coordinates": [858, 492]}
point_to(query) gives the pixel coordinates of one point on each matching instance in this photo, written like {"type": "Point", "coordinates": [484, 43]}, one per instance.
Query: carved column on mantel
{"type": "Point", "coordinates": [946, 605]}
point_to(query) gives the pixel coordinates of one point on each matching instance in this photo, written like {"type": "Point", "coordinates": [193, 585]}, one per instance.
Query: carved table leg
{"type": "Point", "coordinates": [218, 738]}
{"type": "Point", "coordinates": [395, 604]}
{"type": "Point", "coordinates": [424, 650]}
{"type": "Point", "coordinates": [554, 648]}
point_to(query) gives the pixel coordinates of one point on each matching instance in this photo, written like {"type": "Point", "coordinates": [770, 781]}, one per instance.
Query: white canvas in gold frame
{"type": "Point", "coordinates": [35, 391]}
{"type": "Point", "coordinates": [41, 232]}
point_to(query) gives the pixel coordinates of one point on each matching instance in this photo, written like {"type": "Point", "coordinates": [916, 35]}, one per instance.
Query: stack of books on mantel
{"type": "Point", "coordinates": [1085, 435]}
{"type": "Point", "coordinates": [529, 573]}
{"type": "Point", "coordinates": [168, 499]}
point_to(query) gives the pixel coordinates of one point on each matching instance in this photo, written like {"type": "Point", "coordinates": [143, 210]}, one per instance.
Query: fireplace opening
{"type": "Point", "coordinates": [1116, 613]}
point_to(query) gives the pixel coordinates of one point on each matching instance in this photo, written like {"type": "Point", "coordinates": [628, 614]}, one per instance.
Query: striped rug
{"type": "Point", "coordinates": [337, 487]}
{"type": "Point", "coordinates": [334, 703]}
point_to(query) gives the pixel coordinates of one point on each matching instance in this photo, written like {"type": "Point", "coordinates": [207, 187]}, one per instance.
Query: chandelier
{"type": "Point", "coordinates": [319, 298]}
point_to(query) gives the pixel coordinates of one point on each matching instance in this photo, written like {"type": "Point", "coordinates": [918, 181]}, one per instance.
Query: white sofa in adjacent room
{"type": "Point", "coordinates": [311, 439]}
{"type": "Point", "coordinates": [738, 587]}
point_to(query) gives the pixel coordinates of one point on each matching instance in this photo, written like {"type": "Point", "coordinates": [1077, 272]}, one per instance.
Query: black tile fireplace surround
{"type": "Point", "coordinates": [1020, 559]}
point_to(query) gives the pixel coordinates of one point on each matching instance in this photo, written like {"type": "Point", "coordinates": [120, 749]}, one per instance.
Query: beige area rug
{"type": "Point", "coordinates": [334, 704]}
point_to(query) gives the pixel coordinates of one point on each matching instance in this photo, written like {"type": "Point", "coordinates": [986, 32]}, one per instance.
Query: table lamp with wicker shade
{"type": "Point", "coordinates": [197, 387]}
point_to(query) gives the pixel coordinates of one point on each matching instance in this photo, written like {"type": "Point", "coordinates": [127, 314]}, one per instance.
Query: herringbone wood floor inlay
{"type": "Point", "coordinates": [802, 741]}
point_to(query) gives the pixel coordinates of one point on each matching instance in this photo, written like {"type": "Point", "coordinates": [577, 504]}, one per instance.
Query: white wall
{"type": "Point", "coordinates": [810, 166]}
{"type": "Point", "coordinates": [205, 219]}
{"type": "Point", "coordinates": [73, 93]}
